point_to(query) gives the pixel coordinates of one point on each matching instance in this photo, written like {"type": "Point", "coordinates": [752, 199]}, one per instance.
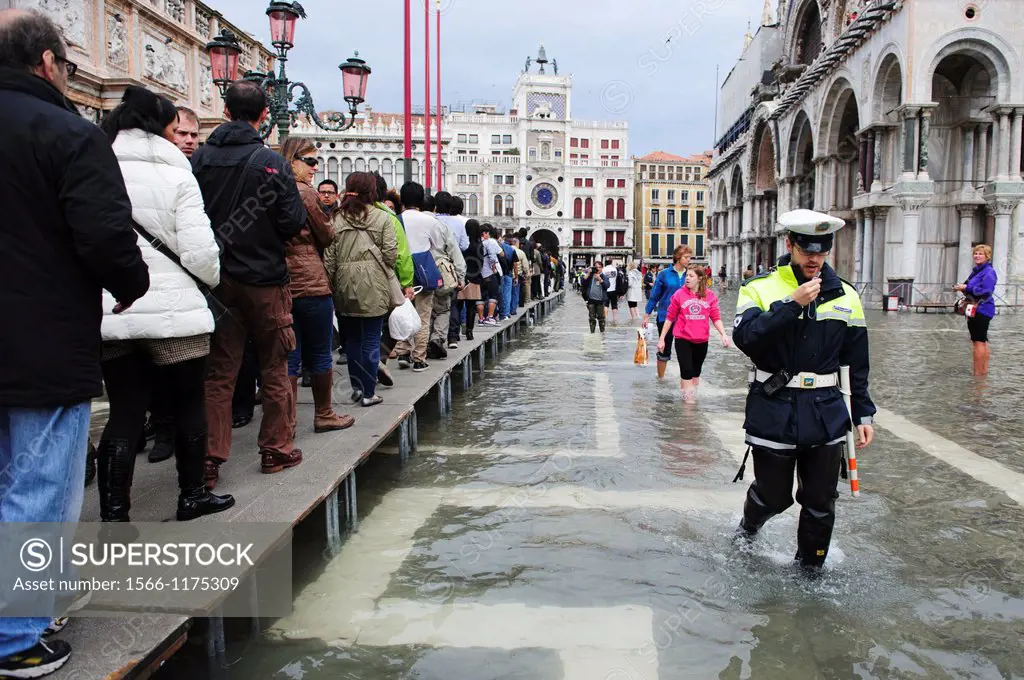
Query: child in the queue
{"type": "Point", "coordinates": [690, 311]}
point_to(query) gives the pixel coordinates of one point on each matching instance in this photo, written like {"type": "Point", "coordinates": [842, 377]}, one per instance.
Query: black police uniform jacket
{"type": "Point", "coordinates": [777, 333]}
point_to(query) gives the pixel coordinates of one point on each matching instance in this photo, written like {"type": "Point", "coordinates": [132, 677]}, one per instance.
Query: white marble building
{"type": "Point", "coordinates": [901, 116]}
{"type": "Point", "coordinates": [569, 182]}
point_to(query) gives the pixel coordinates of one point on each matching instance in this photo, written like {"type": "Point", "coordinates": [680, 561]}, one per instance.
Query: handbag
{"type": "Point", "coordinates": [217, 308]}
{"type": "Point", "coordinates": [394, 285]}
{"type": "Point", "coordinates": [966, 306]}
{"type": "Point", "coordinates": [426, 273]}
{"type": "Point", "coordinates": [448, 275]}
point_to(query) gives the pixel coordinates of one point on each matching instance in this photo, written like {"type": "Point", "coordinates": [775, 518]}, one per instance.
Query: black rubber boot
{"type": "Point", "coordinates": [90, 464]}
{"type": "Point", "coordinates": [115, 468]}
{"type": "Point", "coordinates": [819, 474]}
{"type": "Point", "coordinates": [163, 445]}
{"type": "Point", "coordinates": [194, 499]}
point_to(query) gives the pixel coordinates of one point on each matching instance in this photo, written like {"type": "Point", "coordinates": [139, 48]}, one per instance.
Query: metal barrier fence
{"type": "Point", "coordinates": [917, 297]}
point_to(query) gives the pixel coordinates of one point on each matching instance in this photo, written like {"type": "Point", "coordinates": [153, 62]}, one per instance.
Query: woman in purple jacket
{"type": "Point", "coordinates": [980, 285]}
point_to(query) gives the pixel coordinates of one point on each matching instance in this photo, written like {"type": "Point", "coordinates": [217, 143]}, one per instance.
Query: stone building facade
{"type": "Point", "coordinates": [568, 182]}
{"type": "Point", "coordinates": [671, 205]}
{"type": "Point", "coordinates": [159, 44]}
{"type": "Point", "coordinates": [902, 117]}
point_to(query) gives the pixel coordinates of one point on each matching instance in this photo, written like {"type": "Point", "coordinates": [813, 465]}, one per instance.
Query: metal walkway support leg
{"type": "Point", "coordinates": [482, 355]}
{"type": "Point", "coordinates": [467, 372]}
{"type": "Point", "coordinates": [403, 441]}
{"type": "Point", "coordinates": [444, 394]}
{"type": "Point", "coordinates": [352, 510]}
{"type": "Point", "coordinates": [414, 431]}
{"type": "Point", "coordinates": [333, 513]}
{"type": "Point", "coordinates": [216, 645]}
{"type": "Point", "coordinates": [255, 627]}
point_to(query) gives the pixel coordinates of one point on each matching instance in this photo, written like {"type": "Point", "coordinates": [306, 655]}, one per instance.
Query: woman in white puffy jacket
{"type": "Point", "coordinates": [163, 339]}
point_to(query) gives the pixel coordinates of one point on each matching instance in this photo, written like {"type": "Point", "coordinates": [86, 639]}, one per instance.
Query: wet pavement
{"type": "Point", "coordinates": [573, 518]}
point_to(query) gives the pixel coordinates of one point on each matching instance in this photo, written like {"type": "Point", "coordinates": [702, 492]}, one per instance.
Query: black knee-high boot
{"type": "Point", "coordinates": [194, 499]}
{"type": "Point", "coordinates": [115, 468]}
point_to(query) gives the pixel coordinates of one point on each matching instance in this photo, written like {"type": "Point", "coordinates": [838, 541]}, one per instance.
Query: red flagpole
{"type": "Point", "coordinates": [426, 77]}
{"type": "Point", "coordinates": [439, 164]}
{"type": "Point", "coordinates": [408, 93]}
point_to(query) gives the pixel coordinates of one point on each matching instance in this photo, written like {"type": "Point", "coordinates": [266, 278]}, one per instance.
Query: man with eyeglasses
{"type": "Point", "coordinates": [800, 324]}
{"type": "Point", "coordinates": [328, 192]}
{"type": "Point", "coordinates": [65, 235]}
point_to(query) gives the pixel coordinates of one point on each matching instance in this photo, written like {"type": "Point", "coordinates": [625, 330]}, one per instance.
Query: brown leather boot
{"type": "Point", "coordinates": [211, 473]}
{"type": "Point", "coordinates": [294, 380]}
{"type": "Point", "coordinates": [326, 420]}
{"type": "Point", "coordinates": [272, 461]}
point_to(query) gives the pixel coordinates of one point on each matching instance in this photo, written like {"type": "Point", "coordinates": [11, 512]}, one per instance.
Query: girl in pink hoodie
{"type": "Point", "coordinates": [691, 309]}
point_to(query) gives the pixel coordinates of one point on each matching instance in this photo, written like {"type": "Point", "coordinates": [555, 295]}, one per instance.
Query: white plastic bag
{"type": "Point", "coordinates": [404, 322]}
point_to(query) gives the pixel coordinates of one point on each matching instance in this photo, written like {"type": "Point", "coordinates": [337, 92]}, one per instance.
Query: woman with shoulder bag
{"type": "Point", "coordinates": [312, 308]}
{"type": "Point", "coordinates": [978, 305]}
{"type": "Point", "coordinates": [164, 336]}
{"type": "Point", "coordinates": [359, 265]}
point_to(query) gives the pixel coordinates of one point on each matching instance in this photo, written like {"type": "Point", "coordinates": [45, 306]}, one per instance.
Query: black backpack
{"type": "Point", "coordinates": [621, 283]}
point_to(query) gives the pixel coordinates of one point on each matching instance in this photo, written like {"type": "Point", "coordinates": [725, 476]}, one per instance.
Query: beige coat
{"type": "Point", "coordinates": [359, 282]}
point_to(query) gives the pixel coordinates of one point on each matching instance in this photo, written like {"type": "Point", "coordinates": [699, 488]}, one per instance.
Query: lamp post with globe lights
{"type": "Point", "coordinates": [224, 54]}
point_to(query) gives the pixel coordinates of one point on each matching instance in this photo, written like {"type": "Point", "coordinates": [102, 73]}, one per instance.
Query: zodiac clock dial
{"type": "Point", "coordinates": [544, 195]}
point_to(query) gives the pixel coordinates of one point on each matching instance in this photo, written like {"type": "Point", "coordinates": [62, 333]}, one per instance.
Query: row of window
{"type": "Point", "coordinates": [588, 182]}
{"type": "Point", "coordinates": [670, 244]}
{"type": "Point", "coordinates": [684, 196]}
{"type": "Point", "coordinates": [584, 159]}
{"type": "Point", "coordinates": [674, 171]}
{"type": "Point", "coordinates": [576, 142]}
{"type": "Point", "coordinates": [463, 138]}
{"type": "Point", "coordinates": [670, 218]}
{"type": "Point", "coordinates": [585, 237]}
{"type": "Point", "coordinates": [613, 210]}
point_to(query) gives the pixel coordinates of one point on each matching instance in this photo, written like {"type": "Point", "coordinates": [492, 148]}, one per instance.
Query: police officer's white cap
{"type": "Point", "coordinates": [810, 222]}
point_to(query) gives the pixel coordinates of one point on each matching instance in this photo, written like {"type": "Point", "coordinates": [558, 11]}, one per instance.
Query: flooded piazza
{"type": "Point", "coordinates": [572, 518]}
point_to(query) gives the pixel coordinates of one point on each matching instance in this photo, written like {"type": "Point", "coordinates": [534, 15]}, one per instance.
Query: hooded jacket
{"type": "Point", "coordinates": [269, 212]}
{"type": "Point", "coordinates": [166, 203]}
{"type": "Point", "coordinates": [65, 236]}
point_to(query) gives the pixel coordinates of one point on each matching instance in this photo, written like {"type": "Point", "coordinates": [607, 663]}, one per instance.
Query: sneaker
{"type": "Point", "coordinates": [384, 376]}
{"type": "Point", "coordinates": [374, 400]}
{"type": "Point", "coordinates": [56, 625]}
{"type": "Point", "coordinates": [404, 360]}
{"type": "Point", "coordinates": [420, 366]}
{"type": "Point", "coordinates": [452, 344]}
{"type": "Point", "coordinates": [356, 396]}
{"type": "Point", "coordinates": [35, 662]}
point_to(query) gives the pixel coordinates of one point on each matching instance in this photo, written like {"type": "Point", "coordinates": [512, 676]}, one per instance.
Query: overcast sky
{"type": "Point", "coordinates": [616, 51]}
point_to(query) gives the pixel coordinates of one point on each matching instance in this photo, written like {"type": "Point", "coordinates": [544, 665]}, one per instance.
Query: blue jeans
{"type": "Point", "coordinates": [505, 308]}
{"type": "Point", "coordinates": [313, 322]}
{"type": "Point", "coordinates": [42, 479]}
{"type": "Point", "coordinates": [513, 305]}
{"type": "Point", "coordinates": [362, 345]}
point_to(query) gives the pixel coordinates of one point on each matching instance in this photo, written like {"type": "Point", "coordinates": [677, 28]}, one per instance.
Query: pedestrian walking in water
{"type": "Point", "coordinates": [798, 324]}
{"type": "Point", "coordinates": [669, 280]}
{"type": "Point", "coordinates": [595, 294]}
{"type": "Point", "coordinates": [692, 308]}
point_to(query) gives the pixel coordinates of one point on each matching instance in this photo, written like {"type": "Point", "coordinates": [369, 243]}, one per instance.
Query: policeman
{"type": "Point", "coordinates": [798, 324]}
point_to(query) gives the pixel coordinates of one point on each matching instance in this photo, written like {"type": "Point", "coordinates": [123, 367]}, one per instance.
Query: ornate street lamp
{"type": "Point", "coordinates": [224, 53]}
{"type": "Point", "coordinates": [280, 91]}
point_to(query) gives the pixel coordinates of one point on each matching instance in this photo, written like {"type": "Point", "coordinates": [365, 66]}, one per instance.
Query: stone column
{"type": "Point", "coordinates": [1003, 161]}
{"type": "Point", "coordinates": [912, 206]}
{"type": "Point", "coordinates": [968, 151]}
{"type": "Point", "coordinates": [867, 247]}
{"type": "Point", "coordinates": [1015, 148]}
{"type": "Point", "coordinates": [964, 263]}
{"type": "Point", "coordinates": [925, 133]}
{"type": "Point", "coordinates": [869, 164]}
{"type": "Point", "coordinates": [858, 245]}
{"type": "Point", "coordinates": [908, 143]}
{"type": "Point", "coordinates": [748, 215]}
{"type": "Point", "coordinates": [879, 236]}
{"type": "Point", "coordinates": [1001, 209]}
{"type": "Point", "coordinates": [981, 173]}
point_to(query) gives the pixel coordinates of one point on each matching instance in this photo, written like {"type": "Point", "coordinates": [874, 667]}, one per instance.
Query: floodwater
{"type": "Point", "coordinates": [573, 518]}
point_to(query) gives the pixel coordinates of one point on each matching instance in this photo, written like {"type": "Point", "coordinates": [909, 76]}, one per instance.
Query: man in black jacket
{"type": "Point", "coordinates": [65, 235]}
{"type": "Point", "coordinates": [255, 208]}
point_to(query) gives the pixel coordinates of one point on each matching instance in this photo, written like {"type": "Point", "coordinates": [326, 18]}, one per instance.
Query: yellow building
{"type": "Point", "coordinates": [669, 205]}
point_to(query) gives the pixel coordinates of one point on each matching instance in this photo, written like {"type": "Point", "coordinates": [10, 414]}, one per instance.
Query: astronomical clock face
{"type": "Point", "coordinates": [544, 196]}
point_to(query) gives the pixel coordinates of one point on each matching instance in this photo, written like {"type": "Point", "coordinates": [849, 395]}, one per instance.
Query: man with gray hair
{"type": "Point", "coordinates": [66, 235]}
